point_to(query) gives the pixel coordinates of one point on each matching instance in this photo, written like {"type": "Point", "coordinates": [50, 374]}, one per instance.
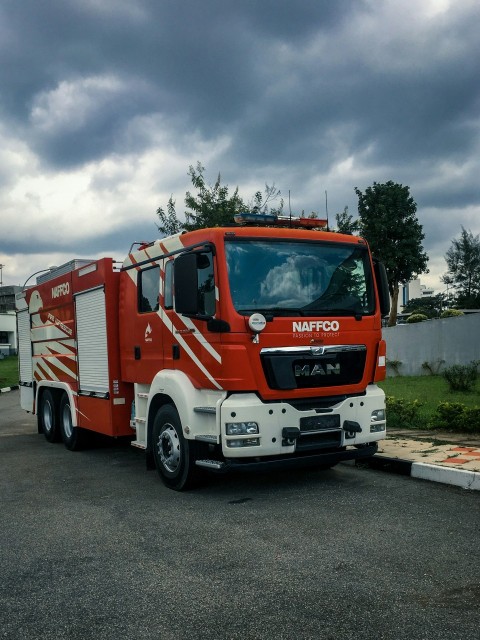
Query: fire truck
{"type": "Point", "coordinates": [235, 348]}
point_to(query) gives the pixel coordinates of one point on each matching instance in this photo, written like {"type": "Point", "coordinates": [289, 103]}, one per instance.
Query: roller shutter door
{"type": "Point", "coordinates": [24, 347]}
{"type": "Point", "coordinates": [92, 342]}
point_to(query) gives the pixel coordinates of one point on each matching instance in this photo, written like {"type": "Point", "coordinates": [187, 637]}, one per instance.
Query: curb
{"type": "Point", "coordinates": [446, 475]}
{"type": "Point", "coordinates": [7, 389]}
{"type": "Point", "coordinates": [425, 471]}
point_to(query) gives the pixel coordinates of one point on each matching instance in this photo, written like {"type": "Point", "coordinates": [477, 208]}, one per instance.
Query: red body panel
{"type": "Point", "coordinates": [54, 345]}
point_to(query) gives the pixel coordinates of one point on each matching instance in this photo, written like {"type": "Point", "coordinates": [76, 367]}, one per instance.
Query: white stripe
{"type": "Point", "coordinates": [201, 338]}
{"type": "Point", "coordinates": [46, 368]}
{"type": "Point", "coordinates": [59, 364]}
{"type": "Point", "coordinates": [173, 243]}
{"type": "Point", "coordinates": [169, 324]}
{"type": "Point", "coordinates": [42, 348]}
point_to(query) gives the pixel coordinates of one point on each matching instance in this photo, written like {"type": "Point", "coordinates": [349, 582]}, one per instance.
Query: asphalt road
{"type": "Point", "coordinates": [92, 545]}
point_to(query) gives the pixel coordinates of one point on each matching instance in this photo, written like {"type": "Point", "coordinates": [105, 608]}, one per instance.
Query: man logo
{"type": "Point", "coordinates": [317, 370]}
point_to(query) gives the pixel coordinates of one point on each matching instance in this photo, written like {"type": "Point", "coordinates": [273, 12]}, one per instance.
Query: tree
{"type": "Point", "coordinates": [261, 202]}
{"type": "Point", "coordinates": [169, 223]}
{"type": "Point", "coordinates": [388, 222]}
{"type": "Point", "coordinates": [431, 306]}
{"type": "Point", "coordinates": [346, 223]}
{"type": "Point", "coordinates": [463, 262]}
{"type": "Point", "coordinates": [212, 206]}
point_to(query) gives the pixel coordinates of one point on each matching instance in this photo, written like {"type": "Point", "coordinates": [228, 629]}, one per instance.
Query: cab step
{"type": "Point", "coordinates": [214, 465]}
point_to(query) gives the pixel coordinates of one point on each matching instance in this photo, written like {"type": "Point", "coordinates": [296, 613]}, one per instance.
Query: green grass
{"type": "Point", "coordinates": [8, 371]}
{"type": "Point", "coordinates": [430, 391]}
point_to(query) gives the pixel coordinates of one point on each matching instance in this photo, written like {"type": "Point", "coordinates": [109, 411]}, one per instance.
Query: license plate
{"type": "Point", "coordinates": [317, 423]}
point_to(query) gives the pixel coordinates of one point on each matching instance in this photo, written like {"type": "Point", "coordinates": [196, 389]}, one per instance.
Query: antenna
{"type": "Point", "coordinates": [290, 208]}
{"type": "Point", "coordinates": [326, 208]}
{"type": "Point", "coordinates": [1, 274]}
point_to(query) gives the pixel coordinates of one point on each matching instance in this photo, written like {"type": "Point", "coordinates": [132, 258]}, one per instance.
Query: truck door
{"type": "Point", "coordinates": [148, 343]}
{"type": "Point", "coordinates": [196, 349]}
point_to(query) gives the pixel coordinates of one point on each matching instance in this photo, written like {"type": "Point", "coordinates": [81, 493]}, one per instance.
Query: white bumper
{"type": "Point", "coordinates": [283, 429]}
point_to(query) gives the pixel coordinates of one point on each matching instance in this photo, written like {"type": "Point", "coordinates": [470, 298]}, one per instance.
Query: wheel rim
{"type": "Point", "coordinates": [47, 417]}
{"type": "Point", "coordinates": [67, 421]}
{"type": "Point", "coordinates": [168, 449]}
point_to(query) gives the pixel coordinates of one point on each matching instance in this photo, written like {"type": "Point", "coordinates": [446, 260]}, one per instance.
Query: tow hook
{"type": "Point", "coordinates": [351, 428]}
{"type": "Point", "coordinates": [289, 436]}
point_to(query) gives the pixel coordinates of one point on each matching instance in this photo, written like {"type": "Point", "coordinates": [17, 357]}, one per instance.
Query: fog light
{"type": "Point", "coordinates": [244, 442]}
{"type": "Point", "coordinates": [378, 415]}
{"type": "Point", "coordinates": [377, 421]}
{"type": "Point", "coordinates": [241, 428]}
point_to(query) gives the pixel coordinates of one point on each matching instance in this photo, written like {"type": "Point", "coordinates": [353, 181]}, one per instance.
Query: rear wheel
{"type": "Point", "coordinates": [173, 454]}
{"type": "Point", "coordinates": [48, 416]}
{"type": "Point", "coordinates": [73, 437]}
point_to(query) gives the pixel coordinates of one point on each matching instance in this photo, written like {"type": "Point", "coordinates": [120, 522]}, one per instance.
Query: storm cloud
{"type": "Point", "coordinates": [105, 104]}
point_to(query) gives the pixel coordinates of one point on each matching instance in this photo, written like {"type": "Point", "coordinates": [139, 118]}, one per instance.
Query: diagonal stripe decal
{"type": "Point", "coordinates": [170, 326]}
{"type": "Point", "coordinates": [200, 337]}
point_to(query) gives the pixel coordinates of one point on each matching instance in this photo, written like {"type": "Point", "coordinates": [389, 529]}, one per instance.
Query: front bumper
{"type": "Point", "coordinates": [292, 461]}
{"type": "Point", "coordinates": [313, 431]}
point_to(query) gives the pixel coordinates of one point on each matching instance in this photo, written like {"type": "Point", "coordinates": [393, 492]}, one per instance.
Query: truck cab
{"type": "Point", "coordinates": [253, 347]}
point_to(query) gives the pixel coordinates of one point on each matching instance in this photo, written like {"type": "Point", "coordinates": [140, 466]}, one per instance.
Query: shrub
{"type": "Point", "coordinates": [433, 368]}
{"type": "Point", "coordinates": [416, 317]}
{"type": "Point", "coordinates": [455, 416]}
{"type": "Point", "coordinates": [451, 313]}
{"type": "Point", "coordinates": [461, 377]}
{"type": "Point", "coordinates": [403, 414]}
{"type": "Point", "coordinates": [394, 365]}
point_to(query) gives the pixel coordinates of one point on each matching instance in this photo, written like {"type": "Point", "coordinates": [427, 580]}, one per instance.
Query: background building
{"type": "Point", "coordinates": [8, 320]}
{"type": "Point", "coordinates": [412, 290]}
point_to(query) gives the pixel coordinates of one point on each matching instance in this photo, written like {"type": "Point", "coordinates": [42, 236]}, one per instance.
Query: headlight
{"type": "Point", "coordinates": [241, 428]}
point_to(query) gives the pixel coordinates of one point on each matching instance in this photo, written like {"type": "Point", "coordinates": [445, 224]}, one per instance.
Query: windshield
{"type": "Point", "coordinates": [299, 278]}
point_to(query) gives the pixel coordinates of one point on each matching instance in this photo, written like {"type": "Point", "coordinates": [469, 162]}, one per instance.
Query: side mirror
{"type": "Point", "coordinates": [185, 283]}
{"type": "Point", "coordinates": [382, 286]}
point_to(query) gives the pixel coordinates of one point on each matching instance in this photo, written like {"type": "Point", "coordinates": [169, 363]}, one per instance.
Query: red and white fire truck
{"type": "Point", "coordinates": [241, 347]}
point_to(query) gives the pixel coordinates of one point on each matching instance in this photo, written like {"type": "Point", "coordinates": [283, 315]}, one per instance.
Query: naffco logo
{"type": "Point", "coordinates": [61, 290]}
{"type": "Point", "coordinates": [316, 325]}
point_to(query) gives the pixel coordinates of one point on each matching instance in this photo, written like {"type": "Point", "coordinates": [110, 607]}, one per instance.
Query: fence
{"type": "Point", "coordinates": [453, 340]}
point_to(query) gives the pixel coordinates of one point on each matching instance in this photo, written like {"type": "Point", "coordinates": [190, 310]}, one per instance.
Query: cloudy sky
{"type": "Point", "coordinates": [104, 104]}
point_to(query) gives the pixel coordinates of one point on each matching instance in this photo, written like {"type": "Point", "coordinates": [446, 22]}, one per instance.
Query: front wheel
{"type": "Point", "coordinates": [173, 454]}
{"type": "Point", "coordinates": [73, 437]}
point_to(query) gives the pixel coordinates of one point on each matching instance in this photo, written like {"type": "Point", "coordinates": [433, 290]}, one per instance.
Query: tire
{"type": "Point", "coordinates": [73, 437]}
{"type": "Point", "coordinates": [173, 454]}
{"type": "Point", "coordinates": [48, 417]}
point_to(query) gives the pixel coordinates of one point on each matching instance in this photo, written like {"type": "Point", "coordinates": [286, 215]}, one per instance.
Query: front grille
{"type": "Point", "coordinates": [320, 423]}
{"type": "Point", "coordinates": [313, 441]}
{"type": "Point", "coordinates": [313, 369]}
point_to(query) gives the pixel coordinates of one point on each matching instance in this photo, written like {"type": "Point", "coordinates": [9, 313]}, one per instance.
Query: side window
{"type": "Point", "coordinates": [169, 284]}
{"type": "Point", "coordinates": [206, 284]}
{"type": "Point", "coordinates": [148, 289]}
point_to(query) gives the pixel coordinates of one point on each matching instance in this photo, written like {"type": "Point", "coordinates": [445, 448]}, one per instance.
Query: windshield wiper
{"type": "Point", "coordinates": [273, 311]}
{"type": "Point", "coordinates": [336, 312]}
